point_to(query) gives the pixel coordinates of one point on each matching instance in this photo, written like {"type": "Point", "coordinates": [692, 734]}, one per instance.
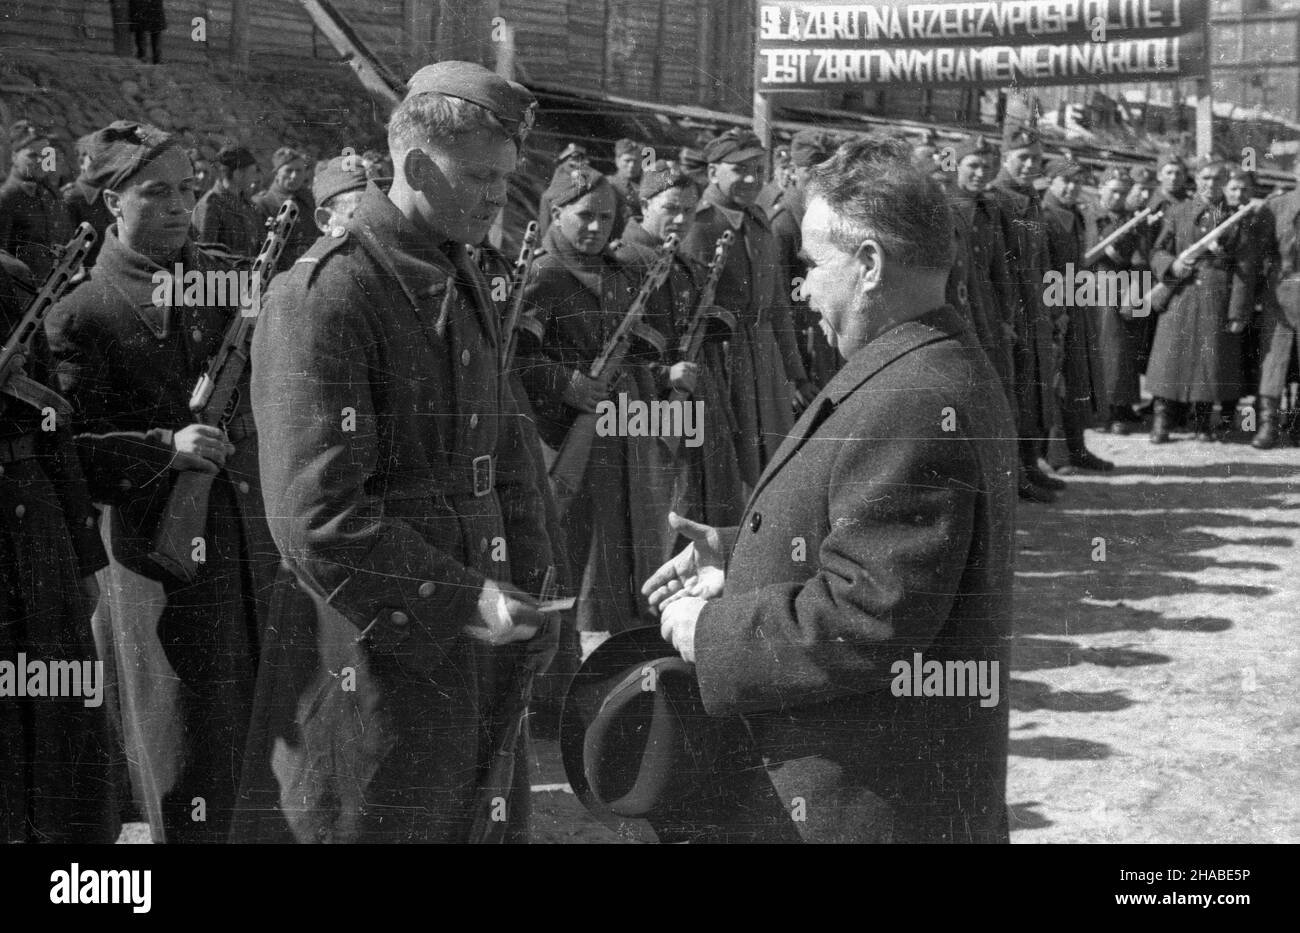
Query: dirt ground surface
{"type": "Point", "coordinates": [1153, 692]}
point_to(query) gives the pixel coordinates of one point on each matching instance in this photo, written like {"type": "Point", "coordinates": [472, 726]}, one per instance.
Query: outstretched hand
{"type": "Point", "coordinates": [696, 570]}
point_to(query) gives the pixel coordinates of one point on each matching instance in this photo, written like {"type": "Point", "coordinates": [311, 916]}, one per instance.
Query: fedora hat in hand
{"type": "Point", "coordinates": [637, 745]}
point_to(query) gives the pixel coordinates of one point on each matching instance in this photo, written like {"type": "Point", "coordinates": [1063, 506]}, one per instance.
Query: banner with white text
{"type": "Point", "coordinates": [978, 43]}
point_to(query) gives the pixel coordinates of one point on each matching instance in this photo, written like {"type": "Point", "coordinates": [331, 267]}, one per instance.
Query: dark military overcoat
{"type": "Point", "coordinates": [1082, 366]}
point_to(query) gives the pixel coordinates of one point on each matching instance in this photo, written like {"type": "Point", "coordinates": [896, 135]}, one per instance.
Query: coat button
{"type": "Point", "coordinates": [464, 357]}
{"type": "Point", "coordinates": [400, 619]}
{"type": "Point", "coordinates": [473, 421]}
{"type": "Point", "coordinates": [243, 486]}
{"type": "Point", "coordinates": [197, 335]}
{"type": "Point", "coordinates": [426, 590]}
{"type": "Point", "coordinates": [20, 510]}
{"type": "Point", "coordinates": [2, 469]}
{"type": "Point", "coordinates": [90, 521]}
{"type": "Point", "coordinates": [483, 544]}
{"type": "Point", "coordinates": [754, 521]}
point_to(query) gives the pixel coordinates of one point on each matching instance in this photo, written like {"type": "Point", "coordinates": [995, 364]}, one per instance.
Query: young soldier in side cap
{"type": "Point", "coordinates": [128, 360]}
{"type": "Point", "coordinates": [1025, 235]}
{"type": "Point", "coordinates": [400, 494]}
{"type": "Point", "coordinates": [571, 158]}
{"type": "Point", "coordinates": [989, 290]}
{"type": "Point", "coordinates": [56, 780]}
{"type": "Point", "coordinates": [1081, 365]}
{"type": "Point", "coordinates": [225, 216]}
{"type": "Point", "coordinates": [616, 527]}
{"type": "Point", "coordinates": [627, 174]}
{"type": "Point", "coordinates": [82, 203]}
{"type": "Point", "coordinates": [1120, 334]}
{"type": "Point", "coordinates": [767, 375]}
{"type": "Point", "coordinates": [711, 484]}
{"type": "Point", "coordinates": [31, 218]}
{"type": "Point", "coordinates": [1256, 256]}
{"type": "Point", "coordinates": [289, 167]}
{"type": "Point", "coordinates": [785, 214]}
{"type": "Point", "coordinates": [337, 191]}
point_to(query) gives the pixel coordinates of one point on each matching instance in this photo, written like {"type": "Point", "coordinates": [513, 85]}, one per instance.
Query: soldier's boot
{"type": "Point", "coordinates": [1081, 458]}
{"type": "Point", "coordinates": [1267, 437]}
{"type": "Point", "coordinates": [1031, 473]}
{"type": "Point", "coordinates": [1159, 421]}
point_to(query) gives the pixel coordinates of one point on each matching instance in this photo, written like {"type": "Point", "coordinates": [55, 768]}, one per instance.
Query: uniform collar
{"type": "Point", "coordinates": [132, 275]}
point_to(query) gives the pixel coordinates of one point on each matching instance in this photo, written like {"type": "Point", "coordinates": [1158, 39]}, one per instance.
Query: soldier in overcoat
{"type": "Point", "coordinates": [1120, 333]}
{"type": "Point", "coordinates": [1280, 326]}
{"type": "Point", "coordinates": [767, 374]}
{"type": "Point", "coordinates": [401, 495]}
{"type": "Point", "coordinates": [32, 222]}
{"type": "Point", "coordinates": [128, 354]}
{"type": "Point", "coordinates": [1196, 355]}
{"type": "Point", "coordinates": [56, 753]}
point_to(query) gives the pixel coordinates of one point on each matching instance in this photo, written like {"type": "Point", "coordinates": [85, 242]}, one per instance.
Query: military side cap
{"type": "Point", "coordinates": [340, 174]}
{"type": "Point", "coordinates": [1241, 174]}
{"type": "Point", "coordinates": [1065, 168]}
{"type": "Point", "coordinates": [1020, 137]}
{"type": "Point", "coordinates": [510, 102]}
{"type": "Point", "coordinates": [235, 157]}
{"type": "Point", "coordinates": [568, 186]}
{"type": "Point", "coordinates": [660, 177]}
{"type": "Point", "coordinates": [813, 147]}
{"type": "Point", "coordinates": [692, 160]}
{"type": "Point", "coordinates": [284, 155]}
{"type": "Point", "coordinates": [735, 145]}
{"type": "Point", "coordinates": [627, 146]}
{"type": "Point", "coordinates": [121, 149]}
{"type": "Point", "coordinates": [1116, 173]}
{"type": "Point", "coordinates": [24, 134]}
{"type": "Point", "coordinates": [975, 144]}
{"type": "Point", "coordinates": [571, 151]}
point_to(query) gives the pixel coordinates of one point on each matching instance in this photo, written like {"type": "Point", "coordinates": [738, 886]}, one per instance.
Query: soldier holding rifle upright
{"type": "Point", "coordinates": [1196, 356]}
{"type": "Point", "coordinates": [128, 359]}
{"type": "Point", "coordinates": [401, 493]}
{"type": "Point", "coordinates": [614, 505]}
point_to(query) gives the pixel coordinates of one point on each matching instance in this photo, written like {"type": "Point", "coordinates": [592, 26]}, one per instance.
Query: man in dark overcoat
{"type": "Point", "coordinates": [56, 753]}
{"type": "Point", "coordinates": [1038, 331]}
{"type": "Point", "coordinates": [1120, 334]}
{"type": "Point", "coordinates": [899, 480]}
{"type": "Point", "coordinates": [1280, 326]}
{"type": "Point", "coordinates": [767, 373]}
{"type": "Point", "coordinates": [1196, 355]}
{"type": "Point", "coordinates": [224, 215]}
{"type": "Point", "coordinates": [400, 493]}
{"type": "Point", "coordinates": [128, 355]}
{"type": "Point", "coordinates": [82, 203]}
{"type": "Point", "coordinates": [1081, 364]}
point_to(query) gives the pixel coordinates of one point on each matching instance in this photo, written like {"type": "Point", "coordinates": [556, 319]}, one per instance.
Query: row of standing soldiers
{"type": "Point", "coordinates": [205, 749]}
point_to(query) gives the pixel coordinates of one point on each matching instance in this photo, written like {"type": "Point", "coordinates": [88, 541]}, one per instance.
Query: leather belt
{"type": "Point", "coordinates": [13, 449]}
{"type": "Point", "coordinates": [478, 481]}
{"type": "Point", "coordinates": [240, 427]}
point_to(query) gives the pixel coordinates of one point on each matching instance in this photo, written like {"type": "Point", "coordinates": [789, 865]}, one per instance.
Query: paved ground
{"type": "Point", "coordinates": [1153, 692]}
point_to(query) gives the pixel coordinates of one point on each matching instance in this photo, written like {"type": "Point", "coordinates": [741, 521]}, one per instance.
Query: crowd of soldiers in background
{"type": "Point", "coordinates": [1017, 216]}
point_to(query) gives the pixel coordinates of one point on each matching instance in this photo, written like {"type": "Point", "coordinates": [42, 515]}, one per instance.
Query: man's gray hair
{"type": "Point", "coordinates": [425, 118]}
{"type": "Point", "coordinates": [875, 193]}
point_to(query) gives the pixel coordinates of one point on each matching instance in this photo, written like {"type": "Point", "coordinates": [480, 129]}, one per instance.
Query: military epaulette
{"type": "Point", "coordinates": [311, 262]}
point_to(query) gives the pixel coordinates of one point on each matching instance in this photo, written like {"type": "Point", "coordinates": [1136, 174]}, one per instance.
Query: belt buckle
{"type": "Point", "coordinates": [484, 475]}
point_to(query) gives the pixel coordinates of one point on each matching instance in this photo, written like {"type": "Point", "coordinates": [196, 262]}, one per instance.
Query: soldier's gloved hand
{"type": "Point", "coordinates": [1113, 254]}
{"type": "Point", "coordinates": [506, 614]}
{"type": "Point", "coordinates": [684, 376]}
{"type": "Point", "coordinates": [200, 447]}
{"type": "Point", "coordinates": [1181, 269]}
{"type": "Point", "coordinates": [585, 393]}
{"type": "Point", "coordinates": [1236, 327]}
